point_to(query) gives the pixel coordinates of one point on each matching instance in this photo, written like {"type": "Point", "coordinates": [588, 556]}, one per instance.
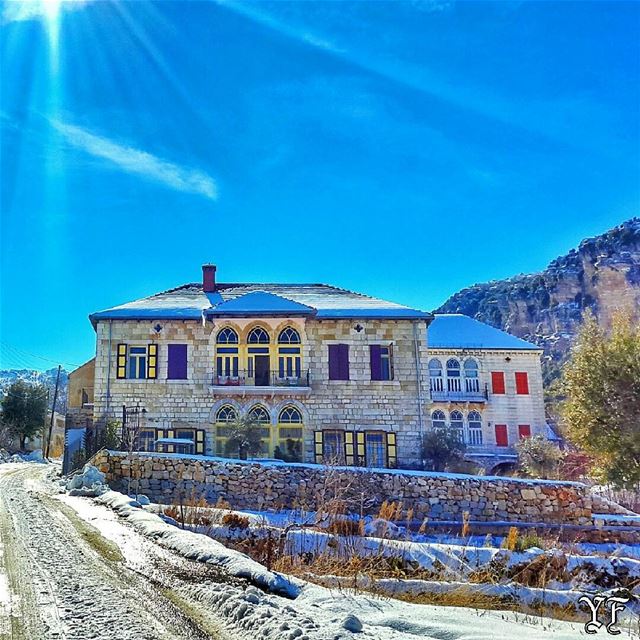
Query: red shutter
{"type": "Point", "coordinates": [375, 361]}
{"type": "Point", "coordinates": [502, 438]}
{"type": "Point", "coordinates": [497, 382]}
{"type": "Point", "coordinates": [522, 383]}
{"type": "Point", "coordinates": [524, 431]}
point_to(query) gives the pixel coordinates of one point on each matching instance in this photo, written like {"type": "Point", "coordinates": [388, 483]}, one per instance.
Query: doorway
{"type": "Point", "coordinates": [261, 371]}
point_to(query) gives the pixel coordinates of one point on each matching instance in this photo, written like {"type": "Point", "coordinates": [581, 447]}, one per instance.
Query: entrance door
{"type": "Point", "coordinates": [262, 370]}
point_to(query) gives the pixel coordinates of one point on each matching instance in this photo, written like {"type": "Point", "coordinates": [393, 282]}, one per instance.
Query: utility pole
{"type": "Point", "coordinates": [53, 410]}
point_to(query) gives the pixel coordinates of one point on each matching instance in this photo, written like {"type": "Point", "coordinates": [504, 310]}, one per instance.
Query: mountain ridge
{"type": "Point", "coordinates": [602, 274]}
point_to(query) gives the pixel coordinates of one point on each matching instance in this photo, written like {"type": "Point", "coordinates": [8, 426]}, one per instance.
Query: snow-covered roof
{"type": "Point", "coordinates": [457, 331]}
{"type": "Point", "coordinates": [320, 300]}
{"type": "Point", "coordinates": [174, 441]}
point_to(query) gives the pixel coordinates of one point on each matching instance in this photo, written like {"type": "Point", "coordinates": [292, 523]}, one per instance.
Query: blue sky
{"type": "Point", "coordinates": [401, 149]}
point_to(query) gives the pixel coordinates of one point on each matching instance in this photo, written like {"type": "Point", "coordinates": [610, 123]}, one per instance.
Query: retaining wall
{"type": "Point", "coordinates": [260, 486]}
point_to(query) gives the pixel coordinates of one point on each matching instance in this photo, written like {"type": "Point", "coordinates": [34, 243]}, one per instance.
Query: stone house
{"type": "Point", "coordinates": [328, 373]}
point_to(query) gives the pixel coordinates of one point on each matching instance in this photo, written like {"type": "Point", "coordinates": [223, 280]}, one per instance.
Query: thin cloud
{"type": "Point", "coordinates": [17, 10]}
{"type": "Point", "coordinates": [139, 162]}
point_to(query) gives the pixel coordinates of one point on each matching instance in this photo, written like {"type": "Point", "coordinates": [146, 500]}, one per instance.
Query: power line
{"type": "Point", "coordinates": [20, 354]}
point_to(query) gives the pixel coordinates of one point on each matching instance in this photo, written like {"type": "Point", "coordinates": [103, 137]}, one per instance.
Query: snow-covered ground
{"type": "Point", "coordinates": [274, 606]}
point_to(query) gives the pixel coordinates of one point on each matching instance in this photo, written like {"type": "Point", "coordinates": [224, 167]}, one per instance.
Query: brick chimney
{"type": "Point", "coordinates": [208, 278]}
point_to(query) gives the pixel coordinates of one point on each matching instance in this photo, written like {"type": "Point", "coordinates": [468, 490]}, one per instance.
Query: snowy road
{"type": "Point", "coordinates": [62, 579]}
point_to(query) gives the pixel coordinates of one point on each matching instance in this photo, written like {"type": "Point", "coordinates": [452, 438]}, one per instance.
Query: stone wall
{"type": "Point", "coordinates": [253, 485]}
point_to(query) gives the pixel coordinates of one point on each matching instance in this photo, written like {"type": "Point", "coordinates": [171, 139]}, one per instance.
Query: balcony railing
{"type": "Point", "coordinates": [458, 389]}
{"type": "Point", "coordinates": [242, 378]}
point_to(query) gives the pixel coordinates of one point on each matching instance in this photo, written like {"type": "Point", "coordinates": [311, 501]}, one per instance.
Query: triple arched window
{"type": "Point", "coordinates": [469, 429]}
{"type": "Point", "coordinates": [454, 377]}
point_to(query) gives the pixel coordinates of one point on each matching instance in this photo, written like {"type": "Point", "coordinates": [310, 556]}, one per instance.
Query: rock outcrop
{"type": "Point", "coordinates": [602, 274]}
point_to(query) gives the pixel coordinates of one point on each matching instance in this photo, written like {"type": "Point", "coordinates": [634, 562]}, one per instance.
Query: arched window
{"type": "Point", "coordinates": [227, 336]}
{"type": "Point", "coordinates": [289, 336]}
{"type": "Point", "coordinates": [259, 414]}
{"type": "Point", "coordinates": [226, 414]}
{"type": "Point", "coordinates": [438, 419]}
{"type": "Point", "coordinates": [475, 428]}
{"type": "Point", "coordinates": [290, 415]}
{"type": "Point", "coordinates": [456, 422]}
{"type": "Point", "coordinates": [435, 375]}
{"type": "Point", "coordinates": [258, 335]}
{"type": "Point", "coordinates": [472, 383]}
{"type": "Point", "coordinates": [453, 375]}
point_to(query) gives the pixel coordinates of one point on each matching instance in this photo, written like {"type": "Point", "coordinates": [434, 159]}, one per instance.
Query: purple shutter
{"type": "Point", "coordinates": [334, 362]}
{"type": "Point", "coordinates": [344, 361]}
{"type": "Point", "coordinates": [338, 362]}
{"type": "Point", "coordinates": [177, 362]}
{"type": "Point", "coordinates": [376, 361]}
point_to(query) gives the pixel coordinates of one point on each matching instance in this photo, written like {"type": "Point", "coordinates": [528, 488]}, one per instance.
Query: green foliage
{"type": "Point", "coordinates": [245, 438]}
{"type": "Point", "coordinates": [24, 408]}
{"type": "Point", "coordinates": [442, 448]}
{"type": "Point", "coordinates": [111, 437]}
{"type": "Point", "coordinates": [539, 457]}
{"type": "Point", "coordinates": [601, 382]}
{"type": "Point", "coordinates": [293, 452]}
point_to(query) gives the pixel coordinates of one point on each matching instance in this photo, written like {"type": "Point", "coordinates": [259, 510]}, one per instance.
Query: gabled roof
{"type": "Point", "coordinates": [457, 331]}
{"type": "Point", "coordinates": [320, 300]}
{"type": "Point", "coordinates": [256, 303]}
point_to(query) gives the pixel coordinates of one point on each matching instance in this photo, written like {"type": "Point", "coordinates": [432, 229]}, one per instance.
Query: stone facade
{"type": "Point", "coordinates": [439, 497]}
{"type": "Point", "coordinates": [517, 412]}
{"type": "Point", "coordinates": [400, 406]}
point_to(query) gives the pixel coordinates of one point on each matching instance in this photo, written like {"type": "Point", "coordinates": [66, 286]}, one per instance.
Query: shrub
{"type": "Point", "coordinates": [235, 521]}
{"type": "Point", "coordinates": [539, 457]}
{"type": "Point", "coordinates": [344, 527]}
{"type": "Point", "coordinates": [442, 448]}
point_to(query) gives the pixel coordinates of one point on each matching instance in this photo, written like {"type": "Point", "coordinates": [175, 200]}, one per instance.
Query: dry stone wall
{"type": "Point", "coordinates": [254, 485]}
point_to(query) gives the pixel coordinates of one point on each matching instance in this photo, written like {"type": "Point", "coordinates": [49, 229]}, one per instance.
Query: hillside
{"type": "Point", "coordinates": [47, 378]}
{"type": "Point", "coordinates": [602, 274]}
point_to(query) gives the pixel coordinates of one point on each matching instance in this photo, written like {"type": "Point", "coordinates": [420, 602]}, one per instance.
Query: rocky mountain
{"type": "Point", "coordinates": [602, 274]}
{"type": "Point", "coordinates": [47, 378]}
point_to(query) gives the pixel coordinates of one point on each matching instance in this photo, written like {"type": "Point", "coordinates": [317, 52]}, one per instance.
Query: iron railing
{"type": "Point", "coordinates": [248, 378]}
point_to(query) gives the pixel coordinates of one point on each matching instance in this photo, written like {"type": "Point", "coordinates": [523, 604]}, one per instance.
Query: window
{"type": "Point", "coordinates": [332, 443]}
{"type": "Point", "coordinates": [381, 360]}
{"type": "Point", "coordinates": [497, 382]}
{"type": "Point", "coordinates": [227, 336]}
{"type": "Point", "coordinates": [338, 362]}
{"type": "Point", "coordinates": [435, 375]}
{"type": "Point", "coordinates": [290, 415]}
{"type": "Point", "coordinates": [524, 431]}
{"type": "Point", "coordinates": [289, 336]}
{"type": "Point", "coordinates": [258, 335]}
{"type": "Point", "coordinates": [456, 422]}
{"type": "Point", "coordinates": [438, 419]}
{"type": "Point", "coordinates": [137, 361]}
{"type": "Point", "coordinates": [471, 380]}
{"type": "Point", "coordinates": [453, 375]}
{"type": "Point", "coordinates": [475, 428]}
{"type": "Point", "coordinates": [375, 445]}
{"type": "Point", "coordinates": [177, 362]}
{"type": "Point", "coordinates": [259, 414]}
{"type": "Point", "coordinates": [226, 414]}
{"type": "Point", "coordinates": [502, 437]}
{"type": "Point", "coordinates": [522, 383]}
{"type": "Point", "coordinates": [147, 440]}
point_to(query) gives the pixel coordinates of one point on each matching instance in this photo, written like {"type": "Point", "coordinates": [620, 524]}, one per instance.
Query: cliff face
{"type": "Point", "coordinates": [602, 274]}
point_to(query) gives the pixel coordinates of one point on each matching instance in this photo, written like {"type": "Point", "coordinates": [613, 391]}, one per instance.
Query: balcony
{"type": "Point", "coordinates": [458, 390]}
{"type": "Point", "coordinates": [246, 382]}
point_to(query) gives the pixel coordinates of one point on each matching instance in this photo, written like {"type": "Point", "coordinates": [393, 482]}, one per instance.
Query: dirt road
{"type": "Point", "coordinates": [63, 579]}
